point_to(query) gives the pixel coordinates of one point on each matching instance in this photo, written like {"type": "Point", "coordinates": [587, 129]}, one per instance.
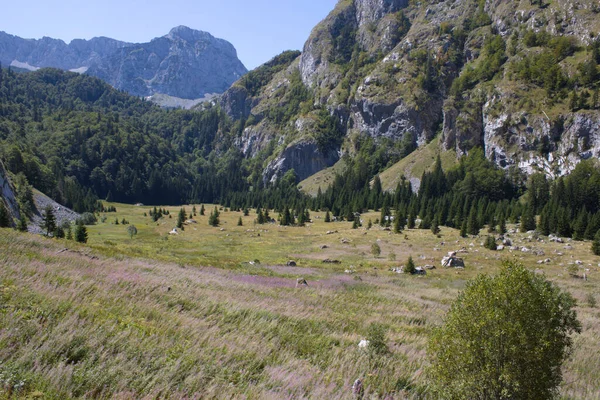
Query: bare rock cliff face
{"type": "Point", "coordinates": [7, 194]}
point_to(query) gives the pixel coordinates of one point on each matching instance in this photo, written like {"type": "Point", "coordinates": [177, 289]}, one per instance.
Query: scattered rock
{"type": "Point", "coordinates": [453, 262]}
{"type": "Point", "coordinates": [291, 263]}
{"type": "Point", "coordinates": [331, 232]}
{"type": "Point", "coordinates": [301, 282]}
{"type": "Point", "coordinates": [363, 344]}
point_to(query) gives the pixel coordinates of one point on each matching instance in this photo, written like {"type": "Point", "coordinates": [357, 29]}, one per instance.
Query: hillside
{"type": "Point", "coordinates": [185, 63]}
{"type": "Point", "coordinates": [517, 78]}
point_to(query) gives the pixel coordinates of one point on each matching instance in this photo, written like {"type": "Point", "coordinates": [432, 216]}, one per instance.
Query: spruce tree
{"type": "Point", "coordinates": [463, 229]}
{"type": "Point", "coordinates": [213, 219]}
{"type": "Point", "coordinates": [528, 219]}
{"type": "Point", "coordinates": [410, 266]}
{"type": "Point", "coordinates": [81, 234]}
{"type": "Point", "coordinates": [240, 222]}
{"type": "Point", "coordinates": [435, 228]}
{"type": "Point", "coordinates": [22, 224]}
{"type": "Point", "coordinates": [202, 210]}
{"type": "Point", "coordinates": [327, 216]}
{"type": "Point", "coordinates": [596, 244]}
{"type": "Point", "coordinates": [411, 221]}
{"type": "Point", "coordinates": [490, 243]}
{"type": "Point", "coordinates": [580, 225]}
{"type": "Point", "coordinates": [4, 218]}
{"type": "Point", "coordinates": [472, 223]}
{"type": "Point", "coordinates": [502, 225]}
{"type": "Point", "coordinates": [59, 232]}
{"type": "Point", "coordinates": [398, 225]}
{"type": "Point", "coordinates": [181, 218]}
{"type": "Point", "coordinates": [49, 220]}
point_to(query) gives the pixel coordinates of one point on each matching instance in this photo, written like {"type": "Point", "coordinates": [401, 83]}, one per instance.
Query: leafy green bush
{"type": "Point", "coordinates": [505, 337]}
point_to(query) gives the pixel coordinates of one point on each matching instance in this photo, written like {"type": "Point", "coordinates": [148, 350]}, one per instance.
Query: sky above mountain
{"type": "Point", "coordinates": [259, 29]}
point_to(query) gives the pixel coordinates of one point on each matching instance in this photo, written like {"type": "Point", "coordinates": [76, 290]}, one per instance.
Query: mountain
{"type": "Point", "coordinates": [185, 63]}
{"type": "Point", "coordinates": [519, 79]}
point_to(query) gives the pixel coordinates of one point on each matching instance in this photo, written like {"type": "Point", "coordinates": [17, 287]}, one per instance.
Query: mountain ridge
{"type": "Point", "coordinates": [184, 63]}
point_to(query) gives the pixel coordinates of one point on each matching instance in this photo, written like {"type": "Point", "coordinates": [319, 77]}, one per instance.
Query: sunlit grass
{"type": "Point", "coordinates": [160, 316]}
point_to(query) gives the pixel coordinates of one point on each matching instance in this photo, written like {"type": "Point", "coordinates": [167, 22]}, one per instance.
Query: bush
{"type": "Point", "coordinates": [88, 219]}
{"type": "Point", "coordinates": [375, 250]}
{"type": "Point", "coordinates": [505, 337]}
{"type": "Point", "coordinates": [490, 243]}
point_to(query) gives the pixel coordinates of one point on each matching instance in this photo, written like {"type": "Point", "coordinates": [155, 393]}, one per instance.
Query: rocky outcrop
{"type": "Point", "coordinates": [7, 195]}
{"type": "Point", "coordinates": [185, 63]}
{"type": "Point", "coordinates": [303, 157]}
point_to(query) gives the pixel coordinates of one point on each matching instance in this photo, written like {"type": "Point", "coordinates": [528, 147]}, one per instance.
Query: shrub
{"type": "Point", "coordinates": [490, 243]}
{"type": "Point", "coordinates": [505, 337]}
{"type": "Point", "coordinates": [88, 219]}
{"type": "Point", "coordinates": [375, 250]}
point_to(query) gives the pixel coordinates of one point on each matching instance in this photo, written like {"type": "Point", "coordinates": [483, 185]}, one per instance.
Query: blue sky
{"type": "Point", "coordinates": [259, 29]}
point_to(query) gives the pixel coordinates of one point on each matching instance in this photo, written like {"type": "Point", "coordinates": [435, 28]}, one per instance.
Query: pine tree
{"type": "Point", "coordinates": [528, 219]}
{"type": "Point", "coordinates": [181, 218]}
{"type": "Point", "coordinates": [463, 229]}
{"type": "Point", "coordinates": [213, 219]}
{"type": "Point", "coordinates": [410, 266]}
{"type": "Point", "coordinates": [327, 216]}
{"type": "Point", "coordinates": [59, 232]}
{"type": "Point", "coordinates": [544, 225]}
{"type": "Point", "coordinates": [81, 234]}
{"type": "Point", "coordinates": [490, 243]}
{"type": "Point", "coordinates": [472, 224]}
{"type": "Point", "coordinates": [411, 221]}
{"type": "Point", "coordinates": [580, 225]}
{"type": "Point", "coordinates": [240, 222]}
{"type": "Point", "coordinates": [22, 225]}
{"type": "Point", "coordinates": [194, 211]}
{"type": "Point", "coordinates": [4, 218]}
{"type": "Point", "coordinates": [502, 226]}
{"type": "Point", "coordinates": [49, 220]}
{"type": "Point", "coordinates": [398, 225]}
{"type": "Point", "coordinates": [202, 210]}
{"type": "Point", "coordinates": [435, 228]}
{"type": "Point", "coordinates": [596, 244]}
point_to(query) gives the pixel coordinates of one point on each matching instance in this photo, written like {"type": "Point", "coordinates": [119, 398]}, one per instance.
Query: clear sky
{"type": "Point", "coordinates": [259, 29]}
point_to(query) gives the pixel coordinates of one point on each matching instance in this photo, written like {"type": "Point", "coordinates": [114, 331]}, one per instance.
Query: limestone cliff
{"type": "Point", "coordinates": [403, 71]}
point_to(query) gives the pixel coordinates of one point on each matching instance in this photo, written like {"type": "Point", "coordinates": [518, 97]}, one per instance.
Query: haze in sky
{"type": "Point", "coordinates": [259, 29]}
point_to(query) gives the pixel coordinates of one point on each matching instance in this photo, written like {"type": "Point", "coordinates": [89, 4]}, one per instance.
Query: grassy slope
{"type": "Point", "coordinates": [322, 179]}
{"type": "Point", "coordinates": [74, 325]}
{"type": "Point", "coordinates": [416, 163]}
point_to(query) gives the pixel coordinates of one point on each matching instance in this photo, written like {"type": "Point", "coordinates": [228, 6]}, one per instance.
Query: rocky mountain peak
{"type": "Point", "coordinates": [186, 63]}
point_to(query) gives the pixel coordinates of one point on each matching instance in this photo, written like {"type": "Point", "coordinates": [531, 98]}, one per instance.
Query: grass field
{"type": "Point", "coordinates": [214, 312]}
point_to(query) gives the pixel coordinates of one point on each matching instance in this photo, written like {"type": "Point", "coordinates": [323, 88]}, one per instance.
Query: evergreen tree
{"type": "Point", "coordinates": [81, 234]}
{"type": "Point", "coordinates": [49, 220]}
{"type": "Point", "coordinates": [69, 233]}
{"type": "Point", "coordinates": [59, 232]}
{"type": "Point", "coordinates": [410, 266]}
{"type": "Point", "coordinates": [502, 225]}
{"type": "Point", "coordinates": [596, 244]}
{"type": "Point", "coordinates": [580, 225]}
{"type": "Point", "coordinates": [472, 223]}
{"type": "Point", "coordinates": [370, 224]}
{"type": "Point", "coordinates": [286, 217]}
{"type": "Point", "coordinates": [398, 225]}
{"type": "Point", "coordinates": [463, 229]}
{"type": "Point", "coordinates": [240, 222]}
{"type": "Point", "coordinates": [544, 225]}
{"type": "Point", "coordinates": [435, 228]}
{"type": "Point", "coordinates": [202, 210]}
{"type": "Point", "coordinates": [4, 217]}
{"type": "Point", "coordinates": [213, 219]}
{"type": "Point", "coordinates": [181, 218]}
{"type": "Point", "coordinates": [355, 223]}
{"type": "Point", "coordinates": [490, 243]}
{"type": "Point", "coordinates": [22, 224]}
{"type": "Point", "coordinates": [528, 219]}
{"type": "Point", "coordinates": [327, 216]}
{"type": "Point", "coordinates": [194, 211]}
{"type": "Point", "coordinates": [411, 221]}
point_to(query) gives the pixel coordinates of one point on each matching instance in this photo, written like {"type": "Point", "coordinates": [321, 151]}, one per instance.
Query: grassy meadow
{"type": "Point", "coordinates": [215, 312]}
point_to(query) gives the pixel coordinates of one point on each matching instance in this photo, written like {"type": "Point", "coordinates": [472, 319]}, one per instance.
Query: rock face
{"type": "Point", "coordinates": [304, 158]}
{"type": "Point", "coordinates": [387, 69]}
{"type": "Point", "coordinates": [7, 194]}
{"type": "Point", "coordinates": [185, 63]}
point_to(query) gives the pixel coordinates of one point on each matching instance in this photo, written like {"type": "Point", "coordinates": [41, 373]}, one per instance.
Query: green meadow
{"type": "Point", "coordinates": [215, 312]}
